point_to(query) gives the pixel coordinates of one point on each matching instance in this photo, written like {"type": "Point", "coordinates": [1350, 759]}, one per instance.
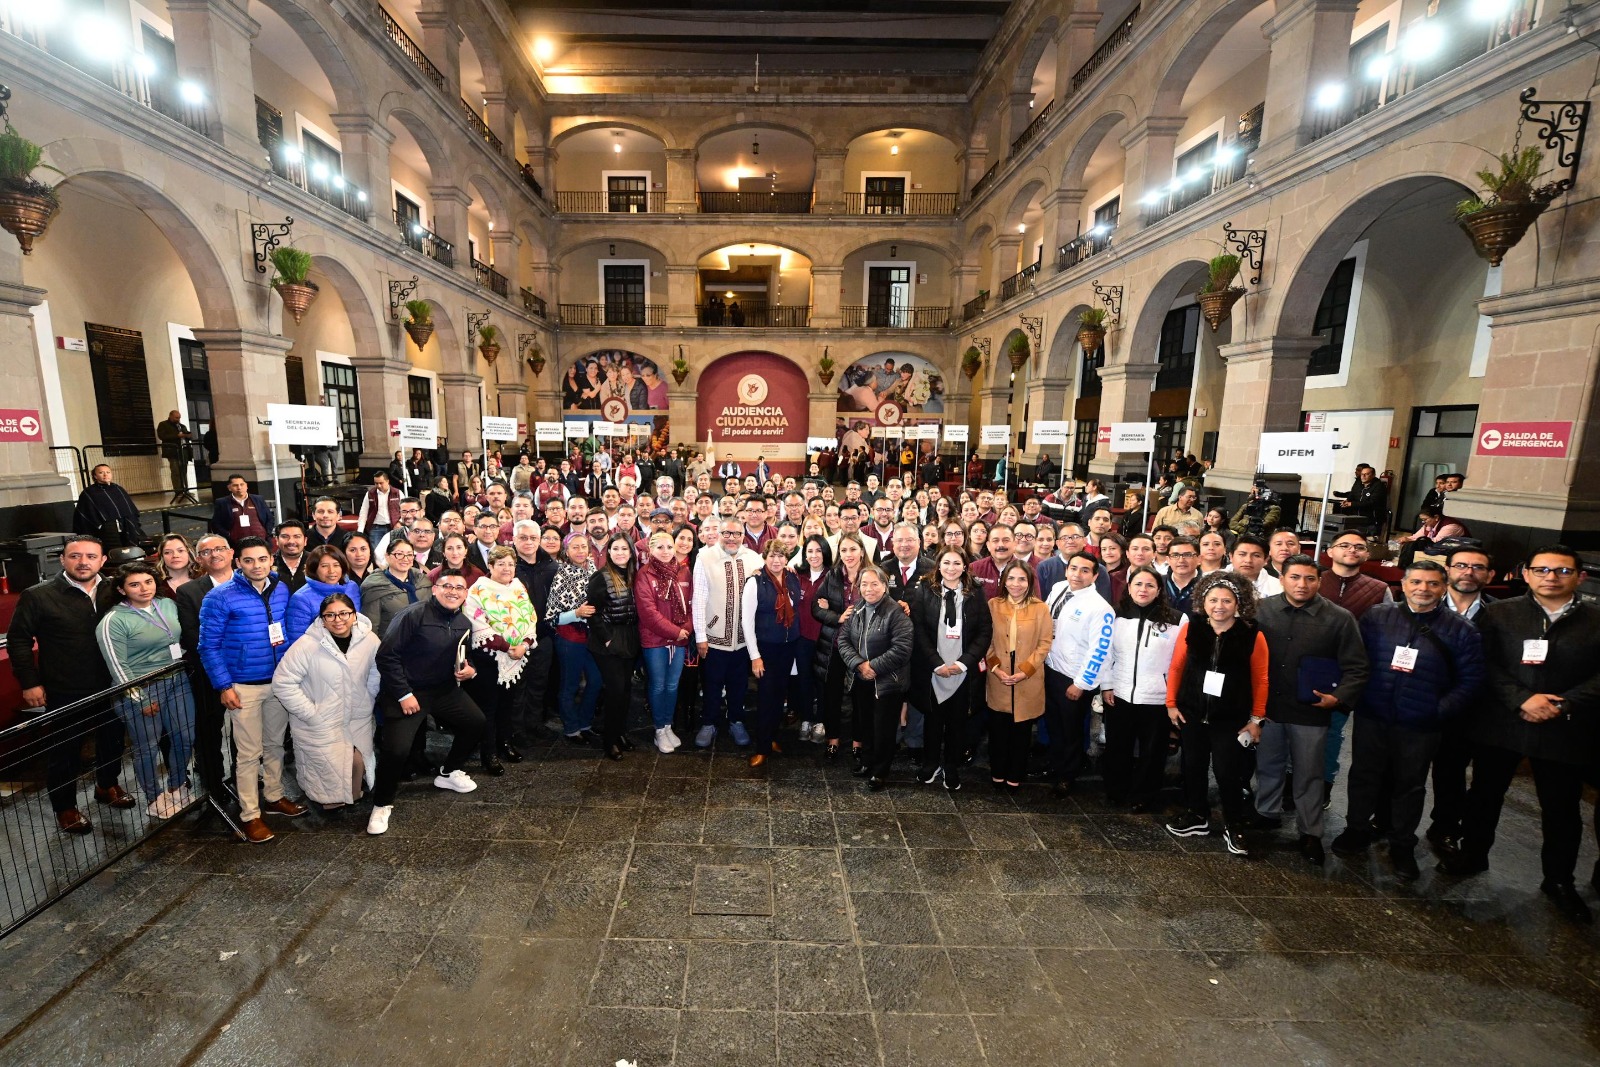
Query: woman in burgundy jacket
{"type": "Point", "coordinates": [661, 592]}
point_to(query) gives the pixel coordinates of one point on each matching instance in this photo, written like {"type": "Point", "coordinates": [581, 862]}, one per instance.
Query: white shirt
{"type": "Point", "coordinates": [1081, 646]}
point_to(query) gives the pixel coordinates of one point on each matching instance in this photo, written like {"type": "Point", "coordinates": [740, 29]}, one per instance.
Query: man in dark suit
{"type": "Point", "coordinates": [906, 565]}
{"type": "Point", "coordinates": [216, 557]}
{"type": "Point", "coordinates": [241, 513]}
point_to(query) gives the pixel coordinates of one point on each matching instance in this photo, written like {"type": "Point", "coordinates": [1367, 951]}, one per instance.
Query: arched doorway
{"type": "Point", "coordinates": [754, 405]}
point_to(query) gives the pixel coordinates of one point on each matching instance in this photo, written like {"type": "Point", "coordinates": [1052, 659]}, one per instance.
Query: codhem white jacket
{"type": "Point", "coordinates": [1081, 648]}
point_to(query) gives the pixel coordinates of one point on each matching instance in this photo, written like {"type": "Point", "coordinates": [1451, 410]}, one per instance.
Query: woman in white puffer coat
{"type": "Point", "coordinates": [1143, 639]}
{"type": "Point", "coordinates": [327, 681]}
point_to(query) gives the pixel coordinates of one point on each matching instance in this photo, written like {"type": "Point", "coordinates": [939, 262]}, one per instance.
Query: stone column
{"type": "Point", "coordinates": [825, 301]}
{"type": "Point", "coordinates": [463, 411]}
{"type": "Point", "coordinates": [1006, 248]}
{"type": "Point", "coordinates": [366, 144]}
{"type": "Point", "coordinates": [441, 43]}
{"type": "Point", "coordinates": [680, 181]}
{"type": "Point", "coordinates": [1020, 116]}
{"type": "Point", "coordinates": [681, 295]}
{"type": "Point", "coordinates": [1148, 166]}
{"type": "Point", "coordinates": [973, 161]}
{"type": "Point", "coordinates": [542, 162]}
{"type": "Point", "coordinates": [247, 374]}
{"type": "Point", "coordinates": [511, 391]}
{"type": "Point", "coordinates": [28, 470]}
{"type": "Point", "coordinates": [1075, 44]}
{"type": "Point", "coordinates": [1047, 398]}
{"type": "Point", "coordinates": [1264, 391]}
{"type": "Point", "coordinates": [385, 394]}
{"type": "Point", "coordinates": [823, 409]}
{"type": "Point", "coordinates": [212, 42]}
{"type": "Point", "coordinates": [450, 221]}
{"type": "Point", "coordinates": [501, 118]}
{"type": "Point", "coordinates": [830, 188]}
{"type": "Point", "coordinates": [994, 410]}
{"type": "Point", "coordinates": [507, 261]}
{"type": "Point", "coordinates": [1062, 211]}
{"type": "Point", "coordinates": [1124, 397]}
{"type": "Point", "coordinates": [1310, 42]}
{"type": "Point", "coordinates": [682, 411]}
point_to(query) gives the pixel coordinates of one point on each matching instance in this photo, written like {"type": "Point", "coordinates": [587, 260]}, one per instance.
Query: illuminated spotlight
{"type": "Point", "coordinates": [1099, 229]}
{"type": "Point", "coordinates": [1151, 198]}
{"type": "Point", "coordinates": [100, 38]}
{"type": "Point", "coordinates": [1330, 95]}
{"type": "Point", "coordinates": [144, 65]}
{"type": "Point", "coordinates": [1422, 41]}
{"type": "Point", "coordinates": [543, 49]}
{"type": "Point", "coordinates": [1378, 69]}
{"type": "Point", "coordinates": [1193, 176]}
{"type": "Point", "coordinates": [291, 152]}
{"type": "Point", "coordinates": [319, 171]}
{"type": "Point", "coordinates": [361, 196]}
{"type": "Point", "coordinates": [894, 150]}
{"type": "Point", "coordinates": [191, 93]}
{"type": "Point", "coordinates": [416, 228]}
{"type": "Point", "coordinates": [1022, 227]}
{"type": "Point", "coordinates": [40, 13]}
{"type": "Point", "coordinates": [1225, 155]}
{"type": "Point", "coordinates": [338, 181]}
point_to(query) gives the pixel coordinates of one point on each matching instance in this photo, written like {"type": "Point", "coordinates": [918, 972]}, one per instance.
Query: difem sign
{"type": "Point", "coordinates": [754, 404]}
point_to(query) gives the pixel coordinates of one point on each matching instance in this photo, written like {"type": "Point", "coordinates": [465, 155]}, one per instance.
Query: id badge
{"type": "Point", "coordinates": [1405, 659]}
{"type": "Point", "coordinates": [244, 520]}
{"type": "Point", "coordinates": [952, 635]}
{"type": "Point", "coordinates": [1213, 684]}
{"type": "Point", "coordinates": [1535, 651]}
{"type": "Point", "coordinates": [275, 632]}
{"type": "Point", "coordinates": [175, 650]}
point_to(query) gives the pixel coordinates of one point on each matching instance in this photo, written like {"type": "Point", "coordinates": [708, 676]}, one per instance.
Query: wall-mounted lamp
{"type": "Point", "coordinates": [894, 251]}
{"type": "Point", "coordinates": [611, 250]}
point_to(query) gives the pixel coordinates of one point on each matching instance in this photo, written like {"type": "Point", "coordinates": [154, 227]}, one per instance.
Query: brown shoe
{"type": "Point", "coordinates": [72, 821]}
{"type": "Point", "coordinates": [757, 760]}
{"type": "Point", "coordinates": [116, 796]}
{"type": "Point", "coordinates": [776, 750]}
{"type": "Point", "coordinates": [256, 832]}
{"type": "Point", "coordinates": [283, 806]}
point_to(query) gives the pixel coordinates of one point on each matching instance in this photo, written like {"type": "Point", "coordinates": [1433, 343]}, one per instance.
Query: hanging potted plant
{"type": "Point", "coordinates": [1017, 350]}
{"type": "Point", "coordinates": [680, 368]}
{"type": "Point", "coordinates": [488, 346]}
{"type": "Point", "coordinates": [419, 321]}
{"type": "Point", "coordinates": [825, 367]}
{"type": "Point", "coordinates": [1220, 294]}
{"type": "Point", "coordinates": [289, 269]}
{"type": "Point", "coordinates": [971, 362]}
{"type": "Point", "coordinates": [1092, 329]}
{"type": "Point", "coordinates": [536, 359]}
{"type": "Point", "coordinates": [1510, 203]}
{"type": "Point", "coordinates": [26, 204]}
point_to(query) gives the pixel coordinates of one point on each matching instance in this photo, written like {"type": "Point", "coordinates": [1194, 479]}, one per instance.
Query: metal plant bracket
{"type": "Point", "coordinates": [526, 341]}
{"type": "Point", "coordinates": [1560, 126]}
{"type": "Point", "coordinates": [982, 345]}
{"type": "Point", "coordinates": [264, 237]}
{"type": "Point", "coordinates": [398, 292]}
{"type": "Point", "coordinates": [1252, 246]}
{"type": "Point", "coordinates": [1034, 326]}
{"type": "Point", "coordinates": [475, 320]}
{"type": "Point", "coordinates": [1111, 297]}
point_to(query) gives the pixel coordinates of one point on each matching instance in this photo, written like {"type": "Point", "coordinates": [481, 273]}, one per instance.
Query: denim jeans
{"type": "Point", "coordinates": [175, 717]}
{"type": "Point", "coordinates": [576, 665]}
{"type": "Point", "coordinates": [663, 666]}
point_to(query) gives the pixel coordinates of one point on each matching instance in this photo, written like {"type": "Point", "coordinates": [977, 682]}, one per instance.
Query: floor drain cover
{"type": "Point", "coordinates": [735, 889]}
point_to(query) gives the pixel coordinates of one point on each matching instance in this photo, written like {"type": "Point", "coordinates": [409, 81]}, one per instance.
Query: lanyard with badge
{"type": "Point", "coordinates": [274, 628]}
{"type": "Point", "coordinates": [174, 649]}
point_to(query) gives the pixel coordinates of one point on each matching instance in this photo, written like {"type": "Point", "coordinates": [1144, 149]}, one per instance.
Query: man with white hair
{"type": "Point", "coordinates": [720, 571]}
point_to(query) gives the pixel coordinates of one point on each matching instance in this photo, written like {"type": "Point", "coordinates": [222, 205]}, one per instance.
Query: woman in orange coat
{"type": "Point", "coordinates": [1015, 690]}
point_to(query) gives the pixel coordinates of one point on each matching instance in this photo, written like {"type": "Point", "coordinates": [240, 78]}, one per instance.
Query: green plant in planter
{"type": "Point", "coordinates": [1092, 319]}
{"type": "Point", "coordinates": [488, 335]}
{"type": "Point", "coordinates": [1223, 270]}
{"type": "Point", "coordinates": [290, 266]}
{"type": "Point", "coordinates": [19, 158]}
{"type": "Point", "coordinates": [971, 361]}
{"type": "Point", "coordinates": [419, 313]}
{"type": "Point", "coordinates": [1513, 183]}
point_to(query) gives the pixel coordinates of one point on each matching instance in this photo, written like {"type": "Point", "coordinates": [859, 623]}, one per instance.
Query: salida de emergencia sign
{"type": "Point", "coordinates": [1524, 440]}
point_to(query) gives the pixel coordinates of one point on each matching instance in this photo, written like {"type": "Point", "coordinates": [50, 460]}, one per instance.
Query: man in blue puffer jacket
{"type": "Point", "coordinates": [241, 641]}
{"type": "Point", "coordinates": [1427, 663]}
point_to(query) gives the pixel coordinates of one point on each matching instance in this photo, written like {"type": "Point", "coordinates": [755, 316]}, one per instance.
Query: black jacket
{"type": "Point", "coordinates": [898, 589]}
{"type": "Point", "coordinates": [881, 637]}
{"type": "Point", "coordinates": [832, 590]}
{"type": "Point", "coordinates": [188, 598]}
{"type": "Point", "coordinates": [614, 626]}
{"type": "Point", "coordinates": [62, 618]}
{"type": "Point", "coordinates": [419, 651]}
{"type": "Point", "coordinates": [536, 578]}
{"type": "Point", "coordinates": [1568, 671]}
{"type": "Point", "coordinates": [927, 621]}
{"type": "Point", "coordinates": [1321, 629]}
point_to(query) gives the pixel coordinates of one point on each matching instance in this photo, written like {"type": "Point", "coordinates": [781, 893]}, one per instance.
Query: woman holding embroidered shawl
{"type": "Point", "coordinates": [503, 631]}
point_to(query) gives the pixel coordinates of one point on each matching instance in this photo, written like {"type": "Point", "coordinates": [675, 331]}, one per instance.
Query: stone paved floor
{"type": "Point", "coordinates": [554, 917]}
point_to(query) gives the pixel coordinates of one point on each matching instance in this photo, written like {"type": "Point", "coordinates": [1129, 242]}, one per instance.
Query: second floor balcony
{"type": "Point", "coordinates": [1016, 283]}
{"type": "Point", "coordinates": [624, 313]}
{"type": "Point", "coordinates": [490, 278]}
{"type": "Point", "coordinates": [895, 202]}
{"type": "Point", "coordinates": [893, 317]}
{"type": "Point", "coordinates": [421, 239]}
{"type": "Point", "coordinates": [753, 316]}
{"type": "Point", "coordinates": [611, 202]}
{"type": "Point", "coordinates": [755, 203]}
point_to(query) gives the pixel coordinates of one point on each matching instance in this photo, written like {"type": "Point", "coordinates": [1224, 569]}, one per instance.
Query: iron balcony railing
{"type": "Point", "coordinates": [613, 314]}
{"type": "Point", "coordinates": [974, 307]}
{"type": "Point", "coordinates": [534, 305]}
{"type": "Point", "coordinates": [901, 203]}
{"type": "Point", "coordinates": [421, 239]}
{"type": "Point", "coordinates": [754, 316]}
{"type": "Point", "coordinates": [288, 164]}
{"type": "Point", "coordinates": [1119, 37]}
{"type": "Point", "coordinates": [1200, 180]}
{"type": "Point", "coordinates": [886, 317]}
{"type": "Point", "coordinates": [402, 40]}
{"type": "Point", "coordinates": [481, 128]}
{"type": "Point", "coordinates": [1013, 285]}
{"type": "Point", "coordinates": [598, 202]}
{"type": "Point", "coordinates": [741, 203]}
{"type": "Point", "coordinates": [1083, 247]}
{"type": "Point", "coordinates": [1027, 135]}
{"type": "Point", "coordinates": [490, 278]}
{"type": "Point", "coordinates": [984, 182]}
{"type": "Point", "coordinates": [1428, 48]}
{"type": "Point", "coordinates": [530, 181]}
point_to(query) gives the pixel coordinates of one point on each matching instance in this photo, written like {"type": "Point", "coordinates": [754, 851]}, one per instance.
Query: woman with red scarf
{"type": "Point", "coordinates": [661, 592]}
{"type": "Point", "coordinates": [771, 610]}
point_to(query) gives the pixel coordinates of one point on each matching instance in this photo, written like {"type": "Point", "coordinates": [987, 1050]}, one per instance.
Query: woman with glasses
{"type": "Point", "coordinates": [950, 635]}
{"type": "Point", "coordinates": [504, 626]}
{"type": "Point", "coordinates": [325, 574]}
{"type": "Point", "coordinates": [327, 682]}
{"type": "Point", "coordinates": [178, 565]}
{"type": "Point", "coordinates": [389, 591]}
{"type": "Point", "coordinates": [1145, 634]}
{"type": "Point", "coordinates": [570, 611]}
{"type": "Point", "coordinates": [614, 640]}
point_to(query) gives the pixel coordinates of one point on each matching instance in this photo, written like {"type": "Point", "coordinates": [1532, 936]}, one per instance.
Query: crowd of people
{"type": "Point", "coordinates": [874, 620]}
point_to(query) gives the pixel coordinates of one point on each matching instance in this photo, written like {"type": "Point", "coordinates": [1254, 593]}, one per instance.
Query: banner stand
{"type": "Point", "coordinates": [297, 424]}
{"type": "Point", "coordinates": [1302, 454]}
{"type": "Point", "coordinates": [1138, 437]}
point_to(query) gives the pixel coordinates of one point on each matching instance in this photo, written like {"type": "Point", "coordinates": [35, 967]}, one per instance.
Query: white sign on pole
{"type": "Point", "coordinates": [638, 429]}
{"type": "Point", "coordinates": [994, 435]}
{"type": "Point", "coordinates": [1297, 453]}
{"type": "Point", "coordinates": [498, 429]}
{"type": "Point", "coordinates": [929, 431]}
{"type": "Point", "coordinates": [547, 431]}
{"type": "Point", "coordinates": [576, 427]}
{"type": "Point", "coordinates": [893, 433]}
{"type": "Point", "coordinates": [1133, 437]}
{"type": "Point", "coordinates": [954, 435]}
{"type": "Point", "coordinates": [1049, 432]}
{"type": "Point", "coordinates": [419, 433]}
{"type": "Point", "coordinates": [303, 424]}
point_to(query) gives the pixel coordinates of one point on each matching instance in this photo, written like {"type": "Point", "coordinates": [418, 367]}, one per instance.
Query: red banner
{"type": "Point", "coordinates": [754, 404]}
{"type": "Point", "coordinates": [1524, 440]}
{"type": "Point", "coordinates": [21, 424]}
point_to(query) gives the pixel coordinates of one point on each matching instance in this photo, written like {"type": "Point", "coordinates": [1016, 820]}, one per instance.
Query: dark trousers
{"type": "Point", "coordinates": [1560, 790]}
{"type": "Point", "coordinates": [452, 708]}
{"type": "Point", "coordinates": [686, 719]}
{"type": "Point", "coordinates": [208, 719]}
{"type": "Point", "coordinates": [63, 749]}
{"type": "Point", "coordinates": [1207, 746]}
{"type": "Point", "coordinates": [1064, 719]}
{"type": "Point", "coordinates": [726, 676]}
{"type": "Point", "coordinates": [833, 693]}
{"type": "Point", "coordinates": [1008, 746]}
{"type": "Point", "coordinates": [772, 688]}
{"type": "Point", "coordinates": [498, 703]}
{"type": "Point", "coordinates": [533, 688]}
{"type": "Point", "coordinates": [877, 721]}
{"type": "Point", "coordinates": [1450, 779]}
{"type": "Point", "coordinates": [803, 701]}
{"type": "Point", "coordinates": [616, 690]}
{"type": "Point", "coordinates": [944, 731]}
{"type": "Point", "coordinates": [1389, 764]}
{"type": "Point", "coordinates": [1132, 775]}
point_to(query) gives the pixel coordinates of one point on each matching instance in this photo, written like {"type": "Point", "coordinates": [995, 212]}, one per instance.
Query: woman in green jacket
{"type": "Point", "coordinates": [137, 636]}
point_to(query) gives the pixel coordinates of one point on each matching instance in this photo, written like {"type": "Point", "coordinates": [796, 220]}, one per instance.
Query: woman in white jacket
{"type": "Point", "coordinates": [328, 681]}
{"type": "Point", "coordinates": [1146, 632]}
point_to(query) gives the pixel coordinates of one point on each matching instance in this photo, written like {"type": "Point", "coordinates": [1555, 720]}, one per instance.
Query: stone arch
{"type": "Point", "coordinates": [1062, 360]}
{"type": "Point", "coordinates": [561, 252]}
{"type": "Point", "coordinates": [699, 367]}
{"type": "Point", "coordinates": [1020, 202]}
{"type": "Point", "coordinates": [809, 251]}
{"type": "Point", "coordinates": [786, 123]}
{"type": "Point", "coordinates": [645, 126]}
{"type": "Point", "coordinates": [1042, 38]}
{"type": "Point", "coordinates": [952, 133]}
{"type": "Point", "coordinates": [213, 273]}
{"type": "Point", "coordinates": [452, 357]}
{"type": "Point", "coordinates": [999, 363]}
{"type": "Point", "coordinates": [474, 30]}
{"type": "Point", "coordinates": [320, 32]}
{"type": "Point", "coordinates": [1089, 143]}
{"type": "Point", "coordinates": [951, 252]}
{"type": "Point", "coordinates": [403, 110]}
{"type": "Point", "coordinates": [359, 304]}
{"type": "Point", "coordinates": [480, 183]}
{"type": "Point", "coordinates": [1196, 46]}
{"type": "Point", "coordinates": [1144, 340]}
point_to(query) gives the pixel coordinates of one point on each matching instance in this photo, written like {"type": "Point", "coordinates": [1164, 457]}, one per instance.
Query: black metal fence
{"type": "Point", "coordinates": [138, 737]}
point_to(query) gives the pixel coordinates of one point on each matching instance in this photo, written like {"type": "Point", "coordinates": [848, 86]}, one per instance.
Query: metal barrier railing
{"type": "Point", "coordinates": [137, 736]}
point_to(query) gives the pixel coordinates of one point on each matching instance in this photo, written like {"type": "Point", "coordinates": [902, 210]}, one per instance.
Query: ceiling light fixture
{"type": "Point", "coordinates": [755, 145]}
{"type": "Point", "coordinates": [543, 49]}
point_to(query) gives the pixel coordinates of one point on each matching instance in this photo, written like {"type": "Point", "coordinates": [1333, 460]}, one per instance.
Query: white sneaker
{"type": "Point", "coordinates": [457, 780]}
{"type": "Point", "coordinates": [805, 729]}
{"type": "Point", "coordinates": [161, 807]}
{"type": "Point", "coordinates": [677, 742]}
{"type": "Point", "coordinates": [379, 821]}
{"type": "Point", "coordinates": [819, 731]}
{"type": "Point", "coordinates": [664, 743]}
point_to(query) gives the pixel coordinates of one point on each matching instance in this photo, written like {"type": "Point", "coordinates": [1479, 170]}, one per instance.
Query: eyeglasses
{"type": "Point", "coordinates": [337, 616]}
{"type": "Point", "coordinates": [1483, 567]}
{"type": "Point", "coordinates": [1354, 546]}
{"type": "Point", "coordinates": [212, 551]}
{"type": "Point", "coordinates": [1182, 555]}
{"type": "Point", "coordinates": [1545, 572]}
{"type": "Point", "coordinates": [453, 587]}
